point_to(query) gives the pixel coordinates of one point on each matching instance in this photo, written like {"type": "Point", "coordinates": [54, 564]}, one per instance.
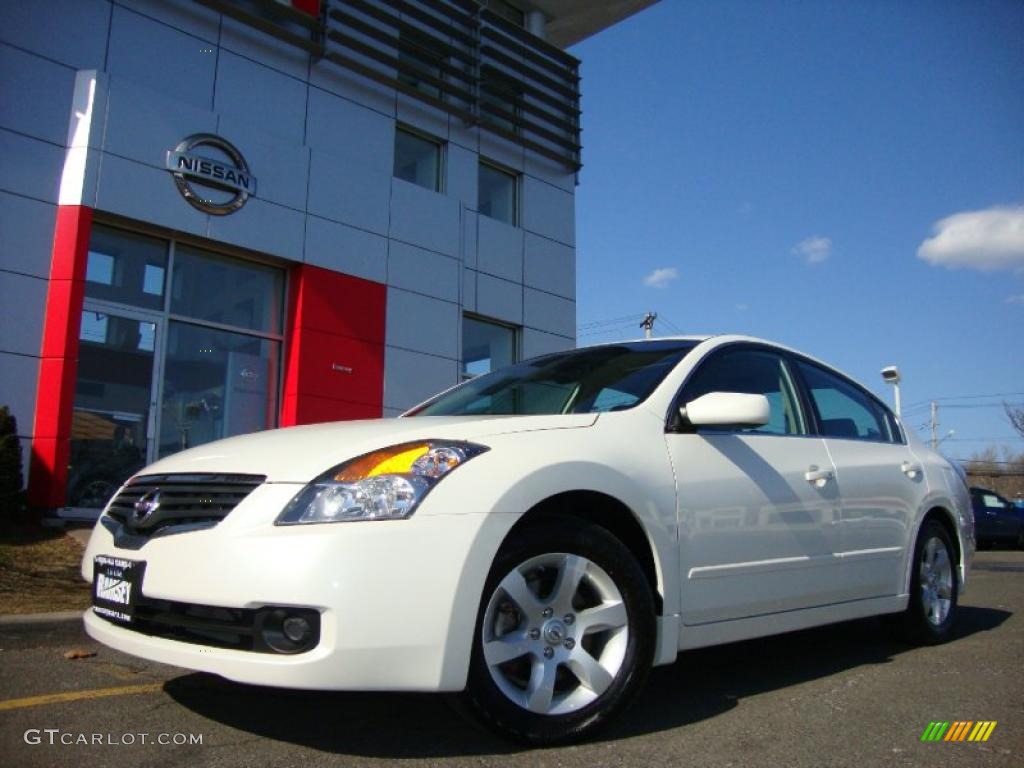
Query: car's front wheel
{"type": "Point", "coordinates": [565, 633]}
{"type": "Point", "coordinates": [933, 586]}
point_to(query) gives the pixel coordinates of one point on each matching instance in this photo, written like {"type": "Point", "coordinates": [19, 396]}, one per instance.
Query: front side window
{"type": "Point", "coordinates": [606, 378]}
{"type": "Point", "coordinates": [844, 410]}
{"type": "Point", "coordinates": [497, 194]}
{"type": "Point", "coordinates": [486, 347]}
{"type": "Point", "coordinates": [417, 159]}
{"type": "Point", "coordinates": [752, 372]}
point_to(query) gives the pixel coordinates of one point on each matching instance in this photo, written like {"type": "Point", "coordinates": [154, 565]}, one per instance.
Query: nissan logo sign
{"type": "Point", "coordinates": [213, 177]}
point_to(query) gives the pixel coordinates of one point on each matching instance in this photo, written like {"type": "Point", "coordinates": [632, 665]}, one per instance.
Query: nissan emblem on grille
{"type": "Point", "coordinates": [145, 507]}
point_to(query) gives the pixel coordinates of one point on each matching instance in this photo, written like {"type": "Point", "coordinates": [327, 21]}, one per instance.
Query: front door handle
{"type": "Point", "coordinates": [818, 477]}
{"type": "Point", "coordinates": [910, 470]}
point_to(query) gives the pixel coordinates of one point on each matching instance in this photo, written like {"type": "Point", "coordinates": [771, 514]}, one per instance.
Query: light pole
{"type": "Point", "coordinates": [891, 375]}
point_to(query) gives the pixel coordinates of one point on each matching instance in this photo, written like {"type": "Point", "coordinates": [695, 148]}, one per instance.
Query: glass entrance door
{"type": "Point", "coordinates": [112, 421]}
{"type": "Point", "coordinates": [179, 346]}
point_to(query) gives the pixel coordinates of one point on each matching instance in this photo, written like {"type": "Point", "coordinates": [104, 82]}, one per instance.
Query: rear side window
{"type": "Point", "coordinates": [751, 372]}
{"type": "Point", "coordinates": [844, 410]}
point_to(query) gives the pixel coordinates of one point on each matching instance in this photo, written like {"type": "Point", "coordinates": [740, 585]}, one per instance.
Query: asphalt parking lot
{"type": "Point", "coordinates": [847, 695]}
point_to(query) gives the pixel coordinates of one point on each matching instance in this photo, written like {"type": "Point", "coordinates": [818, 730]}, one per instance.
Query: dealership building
{"type": "Point", "coordinates": [221, 216]}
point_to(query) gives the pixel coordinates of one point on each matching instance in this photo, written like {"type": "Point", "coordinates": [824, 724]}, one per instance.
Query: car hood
{"type": "Point", "coordinates": [299, 454]}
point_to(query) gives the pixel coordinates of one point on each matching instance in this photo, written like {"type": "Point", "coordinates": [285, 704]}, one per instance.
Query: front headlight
{"type": "Point", "coordinates": [383, 485]}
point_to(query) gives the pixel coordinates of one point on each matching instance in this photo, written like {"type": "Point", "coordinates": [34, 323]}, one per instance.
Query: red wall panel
{"type": "Point", "coordinates": [312, 7]}
{"type": "Point", "coordinates": [48, 469]}
{"type": "Point", "coordinates": [334, 367]}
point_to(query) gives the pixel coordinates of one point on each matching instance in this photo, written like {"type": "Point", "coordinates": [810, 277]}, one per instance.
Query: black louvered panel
{"type": "Point", "coordinates": [152, 502]}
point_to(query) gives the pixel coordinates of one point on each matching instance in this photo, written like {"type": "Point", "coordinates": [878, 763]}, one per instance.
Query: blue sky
{"type": "Point", "coordinates": [779, 168]}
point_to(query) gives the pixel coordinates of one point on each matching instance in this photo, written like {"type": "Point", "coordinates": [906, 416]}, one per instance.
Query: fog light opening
{"type": "Point", "coordinates": [289, 630]}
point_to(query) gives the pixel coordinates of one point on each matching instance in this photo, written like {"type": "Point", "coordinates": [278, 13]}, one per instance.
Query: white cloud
{"type": "Point", "coordinates": [660, 278]}
{"type": "Point", "coordinates": [813, 250]}
{"type": "Point", "coordinates": [986, 240]}
{"type": "Point", "coordinates": [1018, 299]}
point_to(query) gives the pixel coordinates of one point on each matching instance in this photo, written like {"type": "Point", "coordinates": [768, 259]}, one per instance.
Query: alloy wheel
{"type": "Point", "coordinates": [555, 633]}
{"type": "Point", "coordinates": [936, 579]}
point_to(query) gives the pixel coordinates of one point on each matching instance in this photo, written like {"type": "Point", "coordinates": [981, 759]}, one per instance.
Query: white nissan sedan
{"type": "Point", "coordinates": [540, 536]}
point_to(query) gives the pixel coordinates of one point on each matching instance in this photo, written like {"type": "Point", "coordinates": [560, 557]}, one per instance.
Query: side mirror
{"type": "Point", "coordinates": [727, 409]}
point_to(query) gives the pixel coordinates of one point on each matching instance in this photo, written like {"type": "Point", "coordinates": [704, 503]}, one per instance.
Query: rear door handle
{"type": "Point", "coordinates": [818, 477]}
{"type": "Point", "coordinates": [910, 470]}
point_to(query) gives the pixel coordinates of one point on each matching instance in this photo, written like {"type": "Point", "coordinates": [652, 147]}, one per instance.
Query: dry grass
{"type": "Point", "coordinates": [39, 570]}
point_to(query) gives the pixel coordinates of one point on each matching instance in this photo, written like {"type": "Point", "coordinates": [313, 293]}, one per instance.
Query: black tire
{"type": "Point", "coordinates": [932, 609]}
{"type": "Point", "coordinates": [628, 641]}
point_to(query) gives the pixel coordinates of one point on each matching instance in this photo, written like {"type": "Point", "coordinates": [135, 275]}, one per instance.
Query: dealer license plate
{"type": "Point", "coordinates": [115, 587]}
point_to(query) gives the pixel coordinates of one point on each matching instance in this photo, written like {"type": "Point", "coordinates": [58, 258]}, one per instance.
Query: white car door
{"type": "Point", "coordinates": [758, 508]}
{"type": "Point", "coordinates": [880, 480]}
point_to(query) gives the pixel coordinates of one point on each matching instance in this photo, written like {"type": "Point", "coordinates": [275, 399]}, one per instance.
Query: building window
{"type": "Point", "coordinates": [426, 56]}
{"type": "Point", "coordinates": [418, 159]}
{"type": "Point", "coordinates": [497, 194]}
{"type": "Point", "coordinates": [499, 104]}
{"type": "Point", "coordinates": [506, 10]}
{"type": "Point", "coordinates": [178, 346]}
{"type": "Point", "coordinates": [126, 269]}
{"type": "Point", "coordinates": [486, 346]}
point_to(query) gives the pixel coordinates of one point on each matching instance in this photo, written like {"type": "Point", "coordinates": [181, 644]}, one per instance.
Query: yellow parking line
{"type": "Point", "coordinates": [95, 693]}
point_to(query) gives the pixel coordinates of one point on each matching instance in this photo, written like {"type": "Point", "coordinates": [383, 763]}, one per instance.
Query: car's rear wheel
{"type": "Point", "coordinates": [933, 586]}
{"type": "Point", "coordinates": [565, 633]}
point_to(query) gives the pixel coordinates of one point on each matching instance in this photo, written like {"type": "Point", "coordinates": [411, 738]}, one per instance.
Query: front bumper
{"type": "Point", "coordinates": [397, 599]}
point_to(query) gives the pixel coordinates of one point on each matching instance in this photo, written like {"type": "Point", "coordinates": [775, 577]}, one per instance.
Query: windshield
{"type": "Point", "coordinates": [612, 377]}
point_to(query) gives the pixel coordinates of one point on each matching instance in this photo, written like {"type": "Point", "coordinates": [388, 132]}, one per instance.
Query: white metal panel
{"type": "Point", "coordinates": [26, 235]}
{"type": "Point", "coordinates": [261, 95]}
{"type": "Point", "coordinates": [423, 324]}
{"type": "Point", "coordinates": [347, 190]}
{"type": "Point", "coordinates": [424, 218]}
{"type": "Point", "coordinates": [499, 299]}
{"type": "Point", "coordinates": [346, 249]}
{"type": "Point", "coordinates": [36, 95]}
{"type": "Point", "coordinates": [549, 211]}
{"type": "Point", "coordinates": [426, 272]}
{"type": "Point", "coordinates": [143, 123]}
{"type": "Point", "coordinates": [500, 248]}
{"type": "Point", "coordinates": [161, 57]}
{"type": "Point", "coordinates": [78, 41]}
{"type": "Point", "coordinates": [30, 168]}
{"type": "Point", "coordinates": [262, 226]}
{"type": "Point", "coordinates": [411, 377]}
{"type": "Point", "coordinates": [547, 312]}
{"type": "Point", "coordinates": [550, 266]}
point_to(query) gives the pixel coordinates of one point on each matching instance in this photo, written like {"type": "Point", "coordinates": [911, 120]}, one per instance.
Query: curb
{"type": "Point", "coordinates": [29, 619]}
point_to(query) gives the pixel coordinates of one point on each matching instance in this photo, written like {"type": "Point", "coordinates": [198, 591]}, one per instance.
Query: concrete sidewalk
{"type": "Point", "coordinates": [31, 619]}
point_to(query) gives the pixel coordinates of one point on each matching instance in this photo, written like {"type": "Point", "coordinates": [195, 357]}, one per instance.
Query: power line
{"type": "Point", "coordinates": [671, 326]}
{"type": "Point", "coordinates": [981, 439]}
{"type": "Point", "coordinates": [925, 403]}
{"type": "Point", "coordinates": [984, 405]}
{"type": "Point", "coordinates": [610, 321]}
{"type": "Point", "coordinates": [986, 461]}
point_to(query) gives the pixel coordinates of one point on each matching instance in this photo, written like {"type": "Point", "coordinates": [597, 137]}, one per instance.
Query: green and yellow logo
{"type": "Point", "coordinates": [959, 730]}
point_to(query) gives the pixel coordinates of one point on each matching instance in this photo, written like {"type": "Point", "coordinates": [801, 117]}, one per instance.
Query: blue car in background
{"type": "Point", "coordinates": [996, 520]}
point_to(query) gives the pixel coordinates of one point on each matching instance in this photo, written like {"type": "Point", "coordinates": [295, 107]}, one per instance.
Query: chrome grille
{"type": "Point", "coordinates": [150, 503]}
